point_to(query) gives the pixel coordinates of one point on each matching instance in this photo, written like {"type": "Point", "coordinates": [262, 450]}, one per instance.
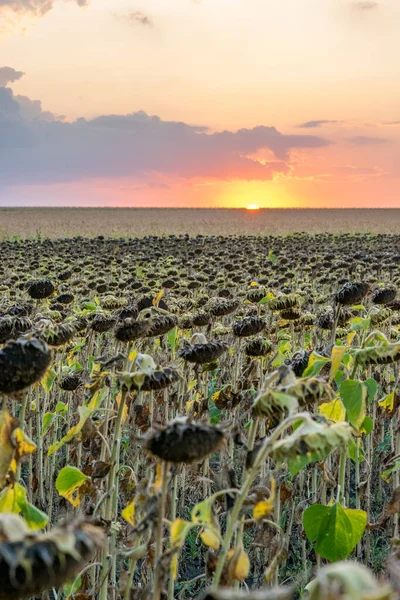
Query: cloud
{"type": "Point", "coordinates": [363, 140]}
{"type": "Point", "coordinates": [36, 7]}
{"type": "Point", "coordinates": [365, 5]}
{"type": "Point", "coordinates": [9, 75]}
{"type": "Point", "coordinates": [319, 123]}
{"type": "Point", "coordinates": [38, 147]}
{"type": "Point", "coordinates": [335, 173]}
{"type": "Point", "coordinates": [136, 17]}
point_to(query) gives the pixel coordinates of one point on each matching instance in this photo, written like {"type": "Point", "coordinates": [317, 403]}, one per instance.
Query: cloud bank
{"type": "Point", "coordinates": [38, 147]}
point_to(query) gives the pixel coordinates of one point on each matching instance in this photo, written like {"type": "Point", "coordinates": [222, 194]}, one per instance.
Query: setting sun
{"type": "Point", "coordinates": [252, 207]}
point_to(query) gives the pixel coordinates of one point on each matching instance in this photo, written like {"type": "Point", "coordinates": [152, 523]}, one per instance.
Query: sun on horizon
{"type": "Point", "coordinates": [252, 207]}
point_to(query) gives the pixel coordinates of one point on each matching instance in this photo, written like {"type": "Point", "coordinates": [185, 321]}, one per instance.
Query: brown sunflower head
{"type": "Point", "coordinates": [183, 441]}
{"type": "Point", "coordinates": [22, 363]}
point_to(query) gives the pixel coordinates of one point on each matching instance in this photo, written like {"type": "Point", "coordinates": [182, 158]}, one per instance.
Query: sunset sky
{"type": "Point", "coordinates": [288, 103]}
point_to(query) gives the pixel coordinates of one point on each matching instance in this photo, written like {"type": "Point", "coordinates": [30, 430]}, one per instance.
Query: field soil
{"type": "Point", "coordinates": [69, 222]}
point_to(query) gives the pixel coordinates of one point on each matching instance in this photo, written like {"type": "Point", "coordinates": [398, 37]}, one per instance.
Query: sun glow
{"type": "Point", "coordinates": [252, 207]}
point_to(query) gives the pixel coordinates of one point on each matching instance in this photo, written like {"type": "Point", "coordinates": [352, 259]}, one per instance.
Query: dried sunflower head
{"type": "Point", "coordinates": [69, 383]}
{"type": "Point", "coordinates": [130, 330]}
{"type": "Point", "coordinates": [258, 347]}
{"type": "Point", "coordinates": [248, 326]}
{"type": "Point", "coordinates": [31, 563]}
{"type": "Point", "coordinates": [12, 326]}
{"type": "Point", "coordinates": [183, 441]}
{"type": "Point", "coordinates": [384, 295]}
{"type": "Point", "coordinates": [351, 293]}
{"type": "Point", "coordinates": [200, 353]}
{"type": "Point", "coordinates": [38, 290]}
{"type": "Point", "coordinates": [22, 363]}
{"type": "Point", "coordinates": [299, 362]}
{"type": "Point", "coordinates": [311, 441]}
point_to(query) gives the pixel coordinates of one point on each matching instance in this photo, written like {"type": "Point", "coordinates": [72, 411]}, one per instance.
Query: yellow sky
{"type": "Point", "coordinates": [226, 64]}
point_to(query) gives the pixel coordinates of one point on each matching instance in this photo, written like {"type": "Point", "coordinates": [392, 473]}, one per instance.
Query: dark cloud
{"type": "Point", "coordinates": [8, 75]}
{"type": "Point", "coordinates": [38, 147]}
{"type": "Point", "coordinates": [36, 7]}
{"type": "Point", "coordinates": [362, 140]}
{"type": "Point", "coordinates": [320, 123]}
{"type": "Point", "coordinates": [366, 5]}
{"type": "Point", "coordinates": [137, 17]}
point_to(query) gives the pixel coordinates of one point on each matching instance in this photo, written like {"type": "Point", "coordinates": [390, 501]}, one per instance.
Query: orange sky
{"type": "Point", "coordinates": [200, 102]}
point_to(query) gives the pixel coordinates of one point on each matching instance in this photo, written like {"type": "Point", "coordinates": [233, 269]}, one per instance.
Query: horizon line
{"type": "Point", "coordinates": [243, 208]}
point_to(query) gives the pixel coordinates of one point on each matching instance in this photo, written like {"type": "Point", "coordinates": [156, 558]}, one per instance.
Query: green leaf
{"type": "Point", "coordinates": [353, 394]}
{"type": "Point", "coordinates": [84, 413]}
{"type": "Point", "coordinates": [336, 359]}
{"type": "Point", "coordinates": [68, 482]}
{"type": "Point", "coordinates": [48, 419]}
{"type": "Point", "coordinates": [48, 379]}
{"type": "Point", "coordinates": [35, 518]}
{"type": "Point", "coordinates": [13, 500]}
{"type": "Point", "coordinates": [387, 474]}
{"type": "Point", "coordinates": [334, 530]}
{"type": "Point", "coordinates": [267, 298]}
{"type": "Point", "coordinates": [315, 363]}
{"type": "Point", "coordinates": [172, 338]}
{"type": "Point", "coordinates": [367, 425]}
{"type": "Point", "coordinates": [312, 520]}
{"type": "Point", "coordinates": [90, 305]}
{"type": "Point", "coordinates": [372, 387]}
{"type": "Point", "coordinates": [71, 587]}
{"type": "Point", "coordinates": [352, 451]}
{"type": "Point", "coordinates": [272, 257]}
{"type": "Point", "coordinates": [359, 324]}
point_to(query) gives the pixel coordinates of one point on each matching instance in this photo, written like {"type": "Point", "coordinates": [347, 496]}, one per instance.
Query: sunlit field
{"type": "Point", "coordinates": [58, 222]}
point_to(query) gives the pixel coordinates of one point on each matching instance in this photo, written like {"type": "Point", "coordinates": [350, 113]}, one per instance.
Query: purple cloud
{"type": "Point", "coordinates": [38, 147]}
{"type": "Point", "coordinates": [9, 75]}
{"type": "Point", "coordinates": [318, 123]}
{"type": "Point", "coordinates": [362, 140]}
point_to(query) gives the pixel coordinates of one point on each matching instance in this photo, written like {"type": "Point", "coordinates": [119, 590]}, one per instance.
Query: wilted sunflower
{"type": "Point", "coordinates": [248, 326]}
{"type": "Point", "coordinates": [384, 295]}
{"type": "Point", "coordinates": [38, 290]}
{"type": "Point", "coordinates": [31, 563]}
{"type": "Point", "coordinates": [65, 298]}
{"type": "Point", "coordinates": [22, 363]}
{"type": "Point", "coordinates": [298, 362]}
{"type": "Point", "coordinates": [102, 323]}
{"type": "Point", "coordinates": [149, 380]}
{"type": "Point", "coordinates": [12, 327]}
{"type": "Point", "coordinates": [314, 439]}
{"type": "Point", "coordinates": [160, 325]}
{"type": "Point", "coordinates": [283, 302]}
{"type": "Point", "coordinates": [69, 383]}
{"type": "Point", "coordinates": [56, 335]}
{"type": "Point", "coordinates": [201, 352]}
{"type": "Point", "coordinates": [183, 441]}
{"type": "Point", "coordinates": [130, 330]}
{"type": "Point", "coordinates": [351, 293]}
{"type": "Point", "coordinates": [258, 347]}
{"type": "Point", "coordinates": [222, 307]}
